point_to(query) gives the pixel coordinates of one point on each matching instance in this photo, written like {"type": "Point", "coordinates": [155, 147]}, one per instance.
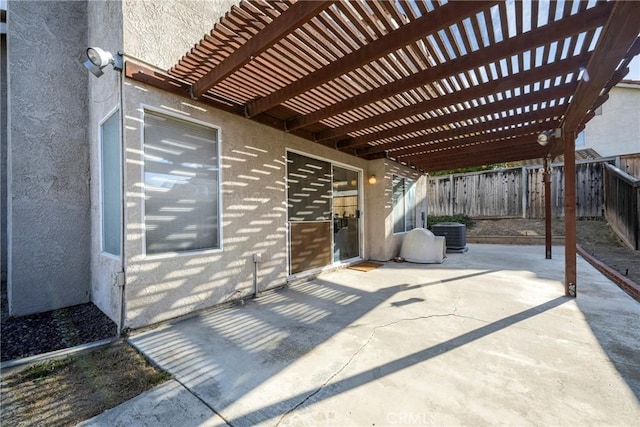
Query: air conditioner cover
{"type": "Point", "coordinates": [421, 246]}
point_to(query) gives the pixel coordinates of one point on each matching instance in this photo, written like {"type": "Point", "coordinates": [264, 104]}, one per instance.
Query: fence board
{"type": "Point", "coordinates": [622, 204]}
{"type": "Point", "coordinates": [631, 164]}
{"type": "Point", "coordinates": [499, 193]}
{"type": "Point", "coordinates": [439, 196]}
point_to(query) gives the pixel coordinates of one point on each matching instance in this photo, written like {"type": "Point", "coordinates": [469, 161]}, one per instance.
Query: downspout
{"type": "Point", "coordinates": [121, 281]}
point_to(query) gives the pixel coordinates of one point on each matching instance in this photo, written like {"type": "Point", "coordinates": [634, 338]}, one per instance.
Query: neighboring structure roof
{"type": "Point", "coordinates": [586, 154]}
{"type": "Point", "coordinates": [436, 86]}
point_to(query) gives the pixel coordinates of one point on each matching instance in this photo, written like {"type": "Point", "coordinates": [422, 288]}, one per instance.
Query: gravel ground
{"type": "Point", "coordinates": [54, 330]}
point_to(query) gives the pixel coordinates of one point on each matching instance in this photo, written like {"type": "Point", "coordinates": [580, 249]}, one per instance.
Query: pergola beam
{"type": "Point", "coordinates": [470, 160]}
{"type": "Point", "coordinates": [568, 27]}
{"type": "Point", "coordinates": [617, 38]}
{"type": "Point", "coordinates": [422, 153]}
{"type": "Point", "coordinates": [515, 145]}
{"type": "Point", "coordinates": [474, 92]}
{"type": "Point", "coordinates": [545, 95]}
{"type": "Point", "coordinates": [432, 22]}
{"type": "Point", "coordinates": [292, 18]}
{"type": "Point", "coordinates": [145, 74]}
{"type": "Point", "coordinates": [454, 136]}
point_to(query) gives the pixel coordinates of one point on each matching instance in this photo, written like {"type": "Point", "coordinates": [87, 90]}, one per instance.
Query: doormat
{"type": "Point", "coordinates": [365, 266]}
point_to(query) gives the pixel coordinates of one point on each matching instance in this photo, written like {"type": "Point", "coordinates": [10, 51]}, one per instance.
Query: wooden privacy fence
{"type": "Point", "coordinates": [622, 204]}
{"type": "Point", "coordinates": [516, 192]}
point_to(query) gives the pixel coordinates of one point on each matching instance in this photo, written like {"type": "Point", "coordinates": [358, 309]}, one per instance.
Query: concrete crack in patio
{"type": "Point", "coordinates": [194, 394]}
{"type": "Point", "coordinates": [353, 356]}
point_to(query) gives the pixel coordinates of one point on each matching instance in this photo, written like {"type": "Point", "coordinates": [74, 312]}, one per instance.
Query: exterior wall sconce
{"type": "Point", "coordinates": [99, 58]}
{"type": "Point", "coordinates": [545, 137]}
{"type": "Point", "coordinates": [372, 179]}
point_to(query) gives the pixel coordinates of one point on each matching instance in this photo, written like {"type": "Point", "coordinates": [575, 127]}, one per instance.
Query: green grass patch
{"type": "Point", "coordinates": [45, 369]}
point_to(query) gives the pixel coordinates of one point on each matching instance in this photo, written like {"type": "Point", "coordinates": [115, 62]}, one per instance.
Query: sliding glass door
{"type": "Point", "coordinates": [323, 213]}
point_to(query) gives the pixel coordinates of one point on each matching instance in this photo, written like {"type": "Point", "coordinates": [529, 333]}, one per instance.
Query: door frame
{"type": "Point", "coordinates": [361, 223]}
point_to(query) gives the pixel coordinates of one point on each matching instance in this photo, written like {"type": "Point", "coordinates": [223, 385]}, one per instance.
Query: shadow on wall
{"type": "Point", "coordinates": [178, 195]}
{"type": "Point", "coordinates": [180, 184]}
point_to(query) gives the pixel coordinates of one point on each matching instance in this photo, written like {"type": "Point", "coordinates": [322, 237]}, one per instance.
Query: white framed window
{"type": "Point", "coordinates": [111, 184]}
{"type": "Point", "coordinates": [404, 204]}
{"type": "Point", "coordinates": [182, 185]}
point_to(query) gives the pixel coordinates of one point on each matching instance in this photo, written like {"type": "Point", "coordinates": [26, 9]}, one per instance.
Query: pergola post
{"type": "Point", "coordinates": [570, 275]}
{"type": "Point", "coordinates": [547, 206]}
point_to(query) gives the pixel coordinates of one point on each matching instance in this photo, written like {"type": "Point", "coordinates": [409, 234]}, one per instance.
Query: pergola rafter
{"type": "Point", "coordinates": [575, 25]}
{"type": "Point", "coordinates": [385, 45]}
{"type": "Point", "coordinates": [407, 80]}
{"type": "Point", "coordinates": [473, 112]}
{"type": "Point", "coordinates": [528, 77]}
{"type": "Point", "coordinates": [298, 14]}
{"type": "Point", "coordinates": [422, 153]}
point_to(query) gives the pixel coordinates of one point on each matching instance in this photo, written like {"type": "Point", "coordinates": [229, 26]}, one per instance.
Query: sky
{"type": "Point", "coordinates": [634, 74]}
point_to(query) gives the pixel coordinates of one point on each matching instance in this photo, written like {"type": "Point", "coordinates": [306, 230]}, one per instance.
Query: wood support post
{"type": "Point", "coordinates": [570, 273]}
{"type": "Point", "coordinates": [547, 206]}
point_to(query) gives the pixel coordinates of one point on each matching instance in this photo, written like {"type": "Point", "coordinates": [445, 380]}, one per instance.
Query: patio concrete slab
{"type": "Point", "coordinates": [169, 404]}
{"type": "Point", "coordinates": [485, 338]}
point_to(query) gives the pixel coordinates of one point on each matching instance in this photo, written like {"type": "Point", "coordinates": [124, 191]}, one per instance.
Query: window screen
{"type": "Point", "coordinates": [111, 185]}
{"type": "Point", "coordinates": [181, 177]}
{"type": "Point", "coordinates": [309, 188]}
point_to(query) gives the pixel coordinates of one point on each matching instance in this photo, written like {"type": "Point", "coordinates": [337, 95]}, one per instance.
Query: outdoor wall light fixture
{"type": "Point", "coordinates": [372, 179]}
{"type": "Point", "coordinates": [545, 137]}
{"type": "Point", "coordinates": [99, 58]}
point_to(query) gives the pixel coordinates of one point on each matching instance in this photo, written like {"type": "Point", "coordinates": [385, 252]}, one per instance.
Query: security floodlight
{"type": "Point", "coordinates": [545, 137]}
{"type": "Point", "coordinates": [99, 58]}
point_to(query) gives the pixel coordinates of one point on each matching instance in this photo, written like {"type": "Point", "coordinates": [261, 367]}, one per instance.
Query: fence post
{"type": "Point", "coordinates": [524, 188]}
{"type": "Point", "coordinates": [453, 194]}
{"type": "Point", "coordinates": [570, 268]}
{"type": "Point", "coordinates": [547, 205]}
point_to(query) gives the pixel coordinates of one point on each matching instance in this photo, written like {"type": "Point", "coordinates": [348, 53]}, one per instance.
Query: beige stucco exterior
{"type": "Point", "coordinates": [253, 183]}
{"type": "Point", "coordinates": [48, 183]}
{"type": "Point", "coordinates": [104, 31]}
{"type": "Point", "coordinates": [253, 173]}
{"type": "Point", "coordinates": [253, 212]}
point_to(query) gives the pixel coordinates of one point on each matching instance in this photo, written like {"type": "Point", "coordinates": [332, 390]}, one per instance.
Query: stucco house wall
{"type": "Point", "coordinates": [104, 31]}
{"type": "Point", "coordinates": [48, 212]}
{"type": "Point", "coordinates": [616, 131]}
{"type": "Point", "coordinates": [253, 159]}
{"type": "Point", "coordinates": [160, 33]}
{"type": "Point", "coordinates": [253, 182]}
{"type": "Point", "coordinates": [54, 174]}
{"type": "Point", "coordinates": [386, 244]}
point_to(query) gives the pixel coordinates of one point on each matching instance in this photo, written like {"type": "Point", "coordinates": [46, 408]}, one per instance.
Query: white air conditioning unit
{"type": "Point", "coordinates": [454, 233]}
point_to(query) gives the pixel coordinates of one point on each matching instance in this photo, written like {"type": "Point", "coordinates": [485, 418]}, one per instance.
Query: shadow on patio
{"type": "Point", "coordinates": [467, 341]}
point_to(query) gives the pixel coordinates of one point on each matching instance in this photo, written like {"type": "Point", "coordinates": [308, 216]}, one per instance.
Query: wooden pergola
{"type": "Point", "coordinates": [432, 85]}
